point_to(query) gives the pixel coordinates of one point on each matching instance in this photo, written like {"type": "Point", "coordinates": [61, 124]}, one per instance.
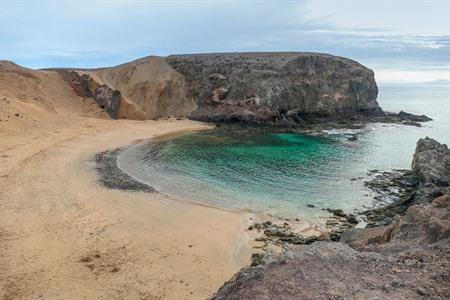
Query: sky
{"type": "Point", "coordinates": [402, 40]}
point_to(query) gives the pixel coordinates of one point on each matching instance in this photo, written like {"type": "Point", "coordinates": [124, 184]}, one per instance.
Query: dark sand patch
{"type": "Point", "coordinates": [112, 177]}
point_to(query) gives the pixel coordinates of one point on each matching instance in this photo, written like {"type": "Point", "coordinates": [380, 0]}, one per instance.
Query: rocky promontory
{"type": "Point", "coordinates": [276, 88]}
{"type": "Point", "coordinates": [281, 89]}
{"type": "Point", "coordinates": [407, 259]}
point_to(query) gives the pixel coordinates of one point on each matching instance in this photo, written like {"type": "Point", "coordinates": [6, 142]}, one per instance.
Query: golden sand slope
{"type": "Point", "coordinates": [64, 237]}
{"type": "Point", "coordinates": [31, 98]}
{"type": "Point", "coordinates": [152, 84]}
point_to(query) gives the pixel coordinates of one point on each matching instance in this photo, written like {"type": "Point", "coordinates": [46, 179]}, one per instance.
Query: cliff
{"type": "Point", "coordinates": [407, 259]}
{"type": "Point", "coordinates": [276, 88]}
{"type": "Point", "coordinates": [258, 88]}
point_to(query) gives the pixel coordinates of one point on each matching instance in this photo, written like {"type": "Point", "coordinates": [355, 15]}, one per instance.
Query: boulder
{"type": "Point", "coordinates": [431, 163]}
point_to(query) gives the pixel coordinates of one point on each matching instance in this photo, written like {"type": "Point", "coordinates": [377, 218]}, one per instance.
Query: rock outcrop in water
{"type": "Point", "coordinates": [407, 259]}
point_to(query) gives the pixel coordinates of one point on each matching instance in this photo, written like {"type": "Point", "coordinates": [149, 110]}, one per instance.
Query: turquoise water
{"type": "Point", "coordinates": [283, 172]}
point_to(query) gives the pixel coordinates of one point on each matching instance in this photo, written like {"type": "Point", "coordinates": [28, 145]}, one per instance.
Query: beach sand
{"type": "Point", "coordinates": [62, 236]}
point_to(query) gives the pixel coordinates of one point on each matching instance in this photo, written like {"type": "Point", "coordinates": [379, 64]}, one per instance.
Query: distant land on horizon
{"type": "Point", "coordinates": [439, 82]}
{"type": "Point", "coordinates": [433, 82]}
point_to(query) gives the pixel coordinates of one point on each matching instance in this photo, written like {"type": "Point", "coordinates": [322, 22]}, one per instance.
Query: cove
{"type": "Point", "coordinates": [284, 173]}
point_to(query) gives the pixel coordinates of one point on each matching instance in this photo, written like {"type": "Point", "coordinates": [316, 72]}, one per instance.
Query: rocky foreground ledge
{"type": "Point", "coordinates": [406, 259]}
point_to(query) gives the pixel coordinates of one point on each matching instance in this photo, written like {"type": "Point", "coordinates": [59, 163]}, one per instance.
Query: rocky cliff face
{"type": "Point", "coordinates": [407, 259]}
{"type": "Point", "coordinates": [259, 88]}
{"type": "Point", "coordinates": [276, 88]}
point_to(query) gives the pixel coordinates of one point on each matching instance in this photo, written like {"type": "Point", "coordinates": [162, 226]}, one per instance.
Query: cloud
{"type": "Point", "coordinates": [101, 33]}
{"type": "Point", "coordinates": [421, 18]}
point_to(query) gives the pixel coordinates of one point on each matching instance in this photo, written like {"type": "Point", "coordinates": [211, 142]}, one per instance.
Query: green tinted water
{"type": "Point", "coordinates": [283, 172]}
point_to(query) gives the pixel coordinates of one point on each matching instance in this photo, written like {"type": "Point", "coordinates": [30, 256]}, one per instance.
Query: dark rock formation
{"type": "Point", "coordinates": [429, 178]}
{"type": "Point", "coordinates": [276, 88]}
{"type": "Point", "coordinates": [86, 87]}
{"type": "Point", "coordinates": [407, 259]}
{"type": "Point", "coordinates": [280, 235]}
{"type": "Point", "coordinates": [431, 164]}
{"type": "Point", "coordinates": [406, 118]}
{"type": "Point", "coordinates": [106, 97]}
{"type": "Point", "coordinates": [422, 227]}
{"type": "Point", "coordinates": [394, 190]}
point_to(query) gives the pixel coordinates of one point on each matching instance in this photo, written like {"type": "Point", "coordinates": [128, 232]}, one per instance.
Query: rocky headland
{"type": "Point", "coordinates": [292, 89]}
{"type": "Point", "coordinates": [407, 258]}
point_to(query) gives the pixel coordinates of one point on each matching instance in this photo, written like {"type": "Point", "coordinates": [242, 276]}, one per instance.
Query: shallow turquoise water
{"type": "Point", "coordinates": [283, 172]}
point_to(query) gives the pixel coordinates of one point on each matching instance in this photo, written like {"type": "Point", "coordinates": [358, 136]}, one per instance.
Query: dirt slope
{"type": "Point", "coordinates": [31, 99]}
{"type": "Point", "coordinates": [152, 84]}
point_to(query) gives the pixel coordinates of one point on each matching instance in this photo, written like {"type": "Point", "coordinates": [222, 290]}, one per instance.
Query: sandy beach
{"type": "Point", "coordinates": [62, 236]}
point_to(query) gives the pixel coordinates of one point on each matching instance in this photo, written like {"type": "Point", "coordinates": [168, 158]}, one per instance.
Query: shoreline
{"type": "Point", "coordinates": [283, 231]}
{"type": "Point", "coordinates": [71, 237]}
{"type": "Point", "coordinates": [85, 236]}
{"type": "Point", "coordinates": [111, 176]}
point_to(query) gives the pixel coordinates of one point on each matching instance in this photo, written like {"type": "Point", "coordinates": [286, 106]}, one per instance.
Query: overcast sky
{"type": "Point", "coordinates": [403, 40]}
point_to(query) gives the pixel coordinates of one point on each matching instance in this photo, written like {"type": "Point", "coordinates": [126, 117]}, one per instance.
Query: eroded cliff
{"type": "Point", "coordinates": [276, 88]}
{"type": "Point", "coordinates": [258, 88]}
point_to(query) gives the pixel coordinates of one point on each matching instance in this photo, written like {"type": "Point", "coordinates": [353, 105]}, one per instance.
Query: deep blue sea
{"type": "Point", "coordinates": [283, 172]}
